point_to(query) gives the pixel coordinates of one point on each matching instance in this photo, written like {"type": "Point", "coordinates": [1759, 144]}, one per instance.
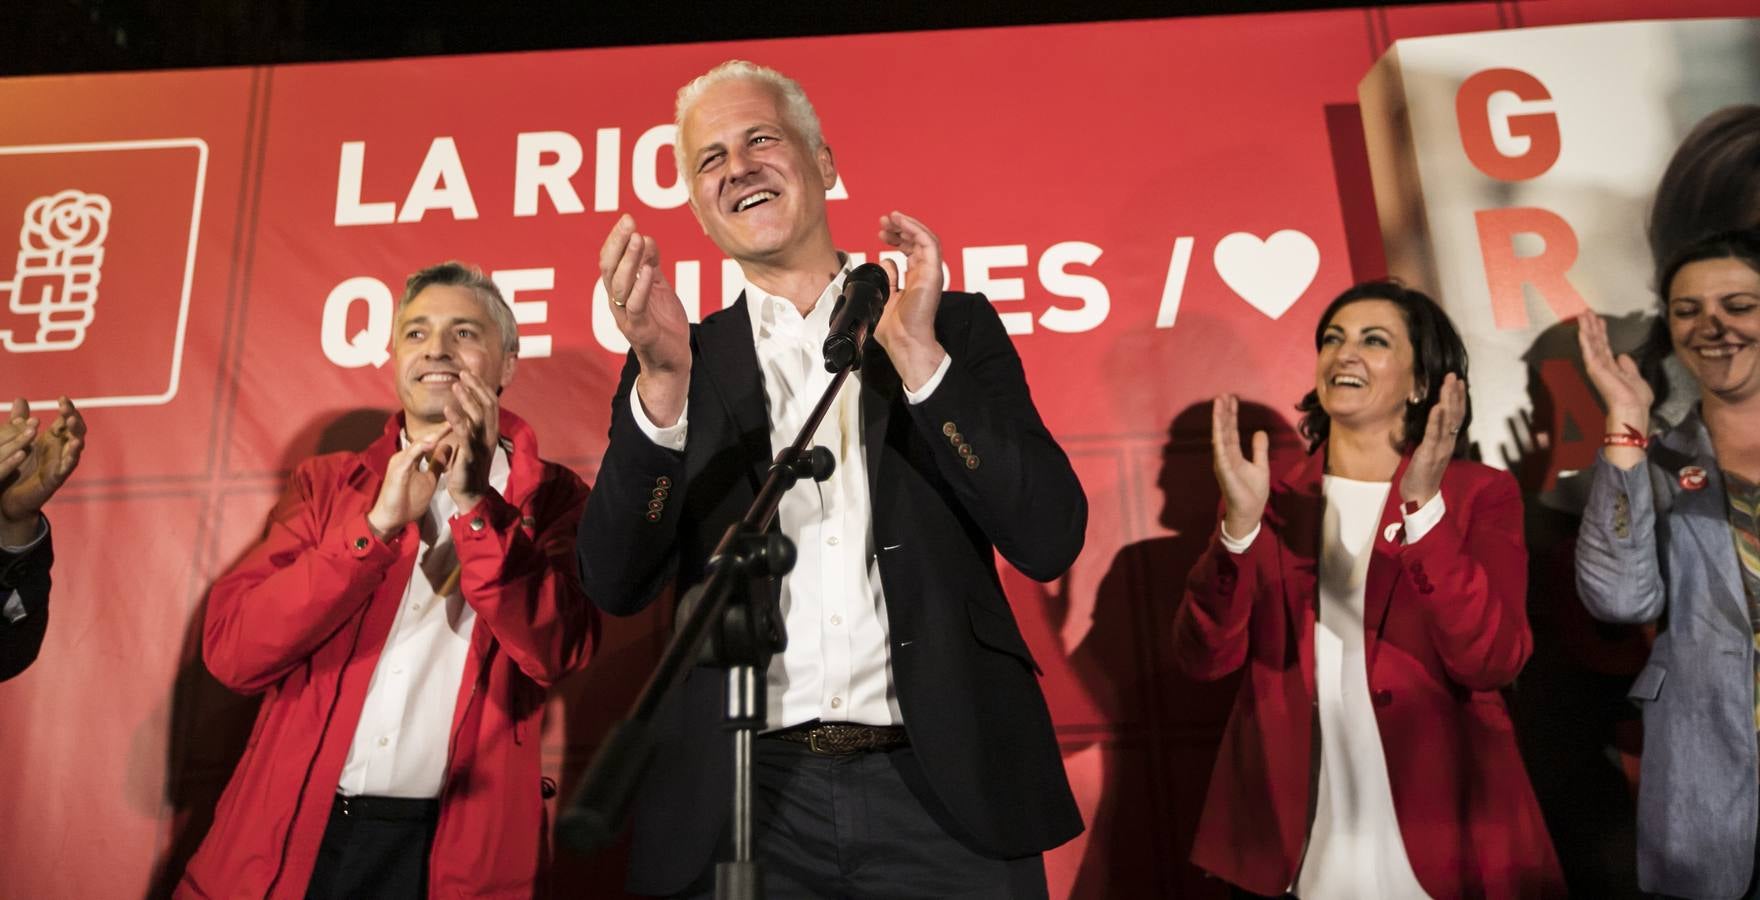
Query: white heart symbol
{"type": "Point", "coordinates": [1271, 274]}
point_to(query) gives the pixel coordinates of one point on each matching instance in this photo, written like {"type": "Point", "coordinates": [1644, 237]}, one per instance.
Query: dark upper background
{"type": "Point", "coordinates": [60, 36]}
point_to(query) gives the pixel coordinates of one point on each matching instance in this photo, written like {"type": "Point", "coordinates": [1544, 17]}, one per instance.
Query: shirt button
{"type": "Point", "coordinates": [837, 620]}
{"type": "Point", "coordinates": [836, 703]}
{"type": "Point", "coordinates": [384, 741]}
{"type": "Point", "coordinates": [397, 670]}
{"type": "Point", "coordinates": [832, 540]}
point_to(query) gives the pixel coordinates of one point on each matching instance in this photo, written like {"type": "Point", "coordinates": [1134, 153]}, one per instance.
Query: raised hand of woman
{"type": "Point", "coordinates": [1245, 481]}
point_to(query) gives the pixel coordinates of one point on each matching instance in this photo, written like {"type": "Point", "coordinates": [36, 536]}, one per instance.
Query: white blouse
{"type": "Point", "coordinates": [1354, 847]}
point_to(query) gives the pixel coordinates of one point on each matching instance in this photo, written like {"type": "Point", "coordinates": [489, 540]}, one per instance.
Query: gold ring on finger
{"type": "Point", "coordinates": [617, 303]}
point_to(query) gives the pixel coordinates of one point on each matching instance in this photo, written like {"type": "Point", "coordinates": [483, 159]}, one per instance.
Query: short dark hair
{"type": "Point", "coordinates": [1742, 244]}
{"type": "Point", "coordinates": [453, 273]}
{"type": "Point", "coordinates": [1436, 351]}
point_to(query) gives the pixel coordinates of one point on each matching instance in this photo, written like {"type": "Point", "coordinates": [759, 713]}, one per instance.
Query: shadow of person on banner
{"type": "Point", "coordinates": [1579, 736]}
{"type": "Point", "coordinates": [1169, 726]}
{"type": "Point", "coordinates": [209, 724]}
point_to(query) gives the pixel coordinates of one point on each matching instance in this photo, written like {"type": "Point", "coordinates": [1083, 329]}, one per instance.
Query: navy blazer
{"type": "Point", "coordinates": [28, 574]}
{"type": "Point", "coordinates": [1650, 549]}
{"type": "Point", "coordinates": [967, 684]}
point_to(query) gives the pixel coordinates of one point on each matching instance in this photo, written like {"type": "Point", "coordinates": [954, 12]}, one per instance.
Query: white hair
{"type": "Point", "coordinates": [797, 110]}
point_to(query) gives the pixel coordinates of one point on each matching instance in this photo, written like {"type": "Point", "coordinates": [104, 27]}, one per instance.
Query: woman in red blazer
{"type": "Point", "coordinates": [1376, 597]}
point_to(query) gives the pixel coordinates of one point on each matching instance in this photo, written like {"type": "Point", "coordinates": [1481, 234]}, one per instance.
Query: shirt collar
{"type": "Point", "coordinates": [777, 317]}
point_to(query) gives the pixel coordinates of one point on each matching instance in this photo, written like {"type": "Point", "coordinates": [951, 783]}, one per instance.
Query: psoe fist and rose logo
{"type": "Point", "coordinates": [60, 260]}
{"type": "Point", "coordinates": [105, 255]}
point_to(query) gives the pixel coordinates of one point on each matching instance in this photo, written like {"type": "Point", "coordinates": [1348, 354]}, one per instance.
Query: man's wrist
{"type": "Point", "coordinates": [915, 361]}
{"type": "Point", "coordinates": [466, 501]}
{"type": "Point", "coordinates": [380, 530]}
{"type": "Point", "coordinates": [663, 395]}
{"type": "Point", "coordinates": [19, 532]}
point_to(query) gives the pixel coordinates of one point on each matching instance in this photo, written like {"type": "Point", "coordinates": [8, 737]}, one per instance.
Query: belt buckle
{"type": "Point", "coordinates": [813, 743]}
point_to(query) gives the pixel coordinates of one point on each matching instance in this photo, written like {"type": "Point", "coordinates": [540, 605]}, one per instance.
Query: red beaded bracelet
{"type": "Point", "coordinates": [1631, 437]}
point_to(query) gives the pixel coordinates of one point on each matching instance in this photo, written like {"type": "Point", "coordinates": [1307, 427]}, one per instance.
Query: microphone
{"type": "Point", "coordinates": [858, 307]}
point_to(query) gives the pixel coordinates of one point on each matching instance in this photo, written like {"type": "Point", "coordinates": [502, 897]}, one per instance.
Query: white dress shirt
{"type": "Point", "coordinates": [837, 667]}
{"type": "Point", "coordinates": [1354, 845]}
{"type": "Point", "coordinates": [405, 730]}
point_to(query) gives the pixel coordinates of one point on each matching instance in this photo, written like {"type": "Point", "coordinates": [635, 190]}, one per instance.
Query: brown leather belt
{"type": "Point", "coordinates": [844, 738]}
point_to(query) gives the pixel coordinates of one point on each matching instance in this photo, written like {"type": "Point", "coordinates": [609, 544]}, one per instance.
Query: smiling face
{"type": "Point", "coordinates": [1364, 374]}
{"type": "Point", "coordinates": [1714, 323]}
{"type": "Point", "coordinates": [757, 185]}
{"type": "Point", "coordinates": [442, 331]}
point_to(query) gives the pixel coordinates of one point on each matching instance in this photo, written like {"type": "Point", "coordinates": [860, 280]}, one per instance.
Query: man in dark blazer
{"type": "Point", "coordinates": [35, 461]}
{"type": "Point", "coordinates": [908, 748]}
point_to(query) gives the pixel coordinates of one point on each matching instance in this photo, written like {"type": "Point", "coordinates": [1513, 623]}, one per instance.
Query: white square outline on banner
{"type": "Point", "coordinates": [189, 263]}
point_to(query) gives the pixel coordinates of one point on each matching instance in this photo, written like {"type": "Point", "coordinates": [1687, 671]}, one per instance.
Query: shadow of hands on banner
{"type": "Point", "coordinates": [1168, 726]}
{"type": "Point", "coordinates": [1579, 735]}
{"type": "Point", "coordinates": [210, 724]}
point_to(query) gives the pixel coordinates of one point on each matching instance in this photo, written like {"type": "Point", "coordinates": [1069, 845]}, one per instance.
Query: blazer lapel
{"type": "Point", "coordinates": [880, 387]}
{"type": "Point", "coordinates": [1704, 514]}
{"type": "Point", "coordinates": [1384, 566]}
{"type": "Point", "coordinates": [724, 344]}
{"type": "Point", "coordinates": [1299, 513]}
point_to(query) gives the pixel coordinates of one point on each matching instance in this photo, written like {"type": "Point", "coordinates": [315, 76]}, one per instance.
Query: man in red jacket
{"type": "Point", "coordinates": [404, 616]}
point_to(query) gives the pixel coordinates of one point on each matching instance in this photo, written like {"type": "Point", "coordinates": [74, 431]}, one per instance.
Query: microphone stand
{"type": "Point", "coordinates": [728, 620]}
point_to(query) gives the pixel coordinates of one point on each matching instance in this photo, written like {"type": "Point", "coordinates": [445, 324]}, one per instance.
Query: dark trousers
{"type": "Point", "coordinates": [375, 847]}
{"type": "Point", "coordinates": [852, 827]}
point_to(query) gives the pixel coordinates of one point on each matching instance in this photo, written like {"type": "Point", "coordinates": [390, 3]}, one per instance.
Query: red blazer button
{"type": "Point", "coordinates": [1382, 697]}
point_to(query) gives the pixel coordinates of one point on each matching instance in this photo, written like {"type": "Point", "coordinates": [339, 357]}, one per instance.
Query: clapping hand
{"type": "Point", "coordinates": [1442, 432]}
{"type": "Point", "coordinates": [34, 463]}
{"type": "Point", "coordinates": [1627, 395]}
{"type": "Point", "coordinates": [906, 330]}
{"type": "Point", "coordinates": [651, 317]}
